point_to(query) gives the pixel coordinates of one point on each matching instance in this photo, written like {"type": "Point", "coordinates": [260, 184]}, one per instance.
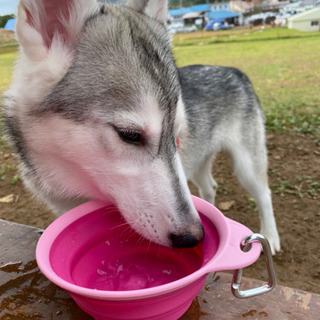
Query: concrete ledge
{"type": "Point", "coordinates": [26, 294]}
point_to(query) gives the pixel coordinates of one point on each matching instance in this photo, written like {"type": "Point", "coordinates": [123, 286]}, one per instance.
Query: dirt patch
{"type": "Point", "coordinates": [7, 34]}
{"type": "Point", "coordinates": [294, 162]}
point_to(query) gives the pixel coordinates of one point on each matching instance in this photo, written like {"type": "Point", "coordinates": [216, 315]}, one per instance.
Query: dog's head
{"type": "Point", "coordinates": [96, 101]}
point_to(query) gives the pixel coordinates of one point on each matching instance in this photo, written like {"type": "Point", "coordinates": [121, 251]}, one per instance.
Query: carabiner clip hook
{"type": "Point", "coordinates": [236, 281]}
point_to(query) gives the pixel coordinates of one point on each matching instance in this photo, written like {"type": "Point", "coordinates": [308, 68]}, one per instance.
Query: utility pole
{"type": "Point", "coordinates": [181, 3]}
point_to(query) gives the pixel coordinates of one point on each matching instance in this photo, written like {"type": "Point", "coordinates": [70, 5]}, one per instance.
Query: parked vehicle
{"type": "Point", "coordinates": [217, 25]}
{"type": "Point", "coordinates": [181, 29]}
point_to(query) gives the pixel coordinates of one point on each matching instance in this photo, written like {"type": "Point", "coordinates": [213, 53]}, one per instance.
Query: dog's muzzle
{"type": "Point", "coordinates": [187, 239]}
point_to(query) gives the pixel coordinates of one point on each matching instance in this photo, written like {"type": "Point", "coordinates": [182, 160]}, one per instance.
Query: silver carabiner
{"type": "Point", "coordinates": [236, 281]}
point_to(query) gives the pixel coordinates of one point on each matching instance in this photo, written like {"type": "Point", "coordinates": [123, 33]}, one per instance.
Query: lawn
{"type": "Point", "coordinates": [6, 64]}
{"type": "Point", "coordinates": [7, 57]}
{"type": "Point", "coordinates": [282, 64]}
{"type": "Point", "coordinates": [239, 35]}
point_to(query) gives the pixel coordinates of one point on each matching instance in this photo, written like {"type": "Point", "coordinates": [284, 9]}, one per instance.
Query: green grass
{"type": "Point", "coordinates": [302, 186]}
{"type": "Point", "coordinates": [7, 43]}
{"type": "Point", "coordinates": [238, 35]}
{"type": "Point", "coordinates": [7, 57]}
{"type": "Point", "coordinates": [8, 169]}
{"type": "Point", "coordinates": [282, 65]}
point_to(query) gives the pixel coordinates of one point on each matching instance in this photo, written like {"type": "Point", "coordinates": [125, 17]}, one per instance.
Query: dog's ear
{"type": "Point", "coordinates": [157, 9]}
{"type": "Point", "coordinates": [44, 23]}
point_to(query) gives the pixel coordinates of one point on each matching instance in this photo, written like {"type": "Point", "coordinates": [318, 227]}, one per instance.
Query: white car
{"type": "Point", "coordinates": [181, 29]}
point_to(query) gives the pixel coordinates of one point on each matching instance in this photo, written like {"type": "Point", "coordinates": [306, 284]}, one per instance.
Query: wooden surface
{"type": "Point", "coordinates": [26, 294]}
{"type": "Point", "coordinates": [215, 302]}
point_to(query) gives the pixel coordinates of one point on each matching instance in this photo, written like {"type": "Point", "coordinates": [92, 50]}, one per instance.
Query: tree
{"type": "Point", "coordinates": [4, 19]}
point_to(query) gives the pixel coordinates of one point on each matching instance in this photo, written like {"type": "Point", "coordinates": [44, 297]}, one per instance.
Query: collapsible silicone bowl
{"type": "Point", "coordinates": [113, 273]}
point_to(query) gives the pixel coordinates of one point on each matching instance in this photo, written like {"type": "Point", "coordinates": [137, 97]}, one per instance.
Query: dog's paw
{"type": "Point", "coordinates": [274, 240]}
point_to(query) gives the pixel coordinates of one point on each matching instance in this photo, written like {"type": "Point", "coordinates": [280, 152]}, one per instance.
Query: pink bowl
{"type": "Point", "coordinates": [113, 273]}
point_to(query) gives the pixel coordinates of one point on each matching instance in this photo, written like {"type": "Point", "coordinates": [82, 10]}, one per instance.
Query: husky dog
{"type": "Point", "coordinates": [96, 106]}
{"type": "Point", "coordinates": [224, 113]}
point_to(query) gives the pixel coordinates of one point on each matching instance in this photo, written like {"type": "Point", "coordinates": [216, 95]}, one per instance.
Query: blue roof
{"type": "Point", "coordinates": [179, 12]}
{"type": "Point", "coordinates": [222, 14]}
{"type": "Point", "coordinates": [10, 24]}
{"type": "Point", "coordinates": [201, 8]}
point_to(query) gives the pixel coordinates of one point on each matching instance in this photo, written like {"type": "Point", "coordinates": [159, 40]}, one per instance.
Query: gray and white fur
{"type": "Point", "coordinates": [224, 113]}
{"type": "Point", "coordinates": [95, 108]}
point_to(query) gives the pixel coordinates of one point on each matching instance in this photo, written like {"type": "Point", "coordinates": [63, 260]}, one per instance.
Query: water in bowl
{"type": "Point", "coordinates": [99, 251]}
{"type": "Point", "coordinates": [122, 269]}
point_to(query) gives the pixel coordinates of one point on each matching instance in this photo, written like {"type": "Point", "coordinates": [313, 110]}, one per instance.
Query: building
{"type": "Point", "coordinates": [220, 6]}
{"type": "Point", "coordinates": [201, 14]}
{"type": "Point", "coordinates": [177, 14]}
{"type": "Point", "coordinates": [242, 7]}
{"type": "Point", "coordinates": [306, 21]}
{"type": "Point", "coordinates": [226, 17]}
{"type": "Point", "coordinates": [247, 7]}
{"type": "Point", "coordinates": [195, 14]}
{"type": "Point", "coordinates": [10, 25]}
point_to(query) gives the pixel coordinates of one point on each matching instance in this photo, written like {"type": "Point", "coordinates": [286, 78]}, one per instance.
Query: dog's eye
{"type": "Point", "coordinates": [129, 136]}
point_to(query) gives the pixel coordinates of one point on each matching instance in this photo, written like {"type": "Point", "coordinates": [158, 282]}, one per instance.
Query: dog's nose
{"type": "Point", "coordinates": [186, 239]}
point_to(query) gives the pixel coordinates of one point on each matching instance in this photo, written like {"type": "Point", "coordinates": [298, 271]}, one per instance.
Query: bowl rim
{"type": "Point", "coordinates": [46, 240]}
